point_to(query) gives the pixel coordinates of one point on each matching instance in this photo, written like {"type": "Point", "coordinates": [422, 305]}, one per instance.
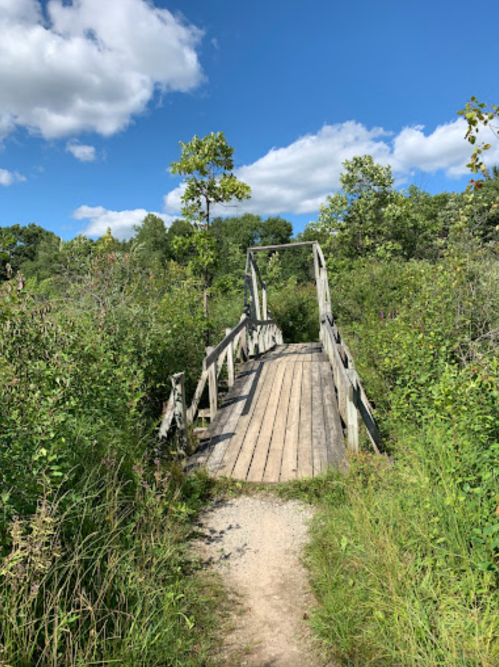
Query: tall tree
{"type": "Point", "coordinates": [207, 164]}
{"type": "Point", "coordinates": [152, 237]}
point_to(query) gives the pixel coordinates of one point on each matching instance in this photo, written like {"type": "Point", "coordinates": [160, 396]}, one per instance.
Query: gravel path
{"type": "Point", "coordinates": [255, 543]}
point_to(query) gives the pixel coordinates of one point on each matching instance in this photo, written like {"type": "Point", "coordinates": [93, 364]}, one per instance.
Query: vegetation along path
{"type": "Point", "coordinates": [255, 543]}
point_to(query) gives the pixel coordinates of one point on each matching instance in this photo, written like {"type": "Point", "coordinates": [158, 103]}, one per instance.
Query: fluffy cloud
{"type": "Point", "coordinates": [81, 151]}
{"type": "Point", "coordinates": [121, 222]}
{"type": "Point", "coordinates": [298, 177]}
{"type": "Point", "coordinates": [89, 65]}
{"type": "Point", "coordinates": [10, 177]}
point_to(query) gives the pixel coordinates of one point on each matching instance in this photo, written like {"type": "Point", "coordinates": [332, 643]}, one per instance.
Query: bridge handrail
{"type": "Point", "coordinates": [352, 398]}
{"type": "Point", "coordinates": [253, 336]}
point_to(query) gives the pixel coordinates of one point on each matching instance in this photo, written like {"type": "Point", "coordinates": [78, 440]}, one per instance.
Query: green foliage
{"type": "Point", "coordinates": [208, 164]}
{"type": "Point", "coordinates": [30, 249]}
{"type": "Point", "coordinates": [152, 240]}
{"type": "Point", "coordinates": [294, 308]}
{"type": "Point", "coordinates": [405, 556]}
{"type": "Point", "coordinates": [108, 580]}
{"type": "Point", "coordinates": [93, 566]}
{"type": "Point", "coordinates": [367, 218]}
{"type": "Point", "coordinates": [478, 116]}
{"type": "Point", "coordinates": [392, 564]}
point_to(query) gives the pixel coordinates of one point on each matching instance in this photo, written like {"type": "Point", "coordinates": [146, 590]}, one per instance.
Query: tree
{"type": "Point", "coordinates": [208, 166]}
{"type": "Point", "coordinates": [354, 215]}
{"type": "Point", "coordinates": [23, 246]}
{"type": "Point", "coordinates": [368, 218]}
{"type": "Point", "coordinates": [152, 238]}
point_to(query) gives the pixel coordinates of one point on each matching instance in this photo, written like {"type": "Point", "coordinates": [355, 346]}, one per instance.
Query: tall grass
{"type": "Point", "coordinates": [108, 581]}
{"type": "Point", "coordinates": [394, 567]}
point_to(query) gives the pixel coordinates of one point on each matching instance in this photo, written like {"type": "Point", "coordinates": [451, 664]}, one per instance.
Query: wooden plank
{"type": "Point", "coordinates": [166, 422]}
{"type": "Point", "coordinates": [277, 353]}
{"type": "Point", "coordinates": [213, 390]}
{"type": "Point", "coordinates": [250, 438]}
{"type": "Point", "coordinates": [178, 384]}
{"type": "Point", "coordinates": [256, 297]}
{"type": "Point", "coordinates": [223, 431]}
{"type": "Point", "coordinates": [319, 436]}
{"type": "Point", "coordinates": [305, 452]}
{"type": "Point", "coordinates": [336, 452]}
{"type": "Point", "coordinates": [193, 409]}
{"type": "Point", "coordinates": [205, 449]}
{"type": "Point", "coordinates": [231, 376]}
{"type": "Point", "coordinates": [289, 465]}
{"type": "Point", "coordinates": [273, 468]}
{"type": "Point", "coordinates": [262, 445]}
{"type": "Point", "coordinates": [318, 283]}
{"type": "Point", "coordinates": [234, 446]}
{"type": "Point", "coordinates": [282, 246]}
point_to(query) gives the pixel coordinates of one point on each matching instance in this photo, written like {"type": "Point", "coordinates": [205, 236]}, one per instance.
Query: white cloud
{"type": "Point", "coordinates": [298, 177]}
{"type": "Point", "coordinates": [89, 65]}
{"type": "Point", "coordinates": [81, 151]}
{"type": "Point", "coordinates": [121, 223]}
{"type": "Point", "coordinates": [10, 177]}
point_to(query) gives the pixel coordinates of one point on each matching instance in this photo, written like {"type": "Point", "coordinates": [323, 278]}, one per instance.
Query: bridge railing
{"type": "Point", "coordinates": [352, 399]}
{"type": "Point", "coordinates": [247, 339]}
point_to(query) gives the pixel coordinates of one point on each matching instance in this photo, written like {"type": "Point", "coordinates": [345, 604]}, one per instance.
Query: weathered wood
{"type": "Point", "coordinates": [262, 444]}
{"type": "Point", "coordinates": [326, 297]}
{"type": "Point", "coordinates": [353, 417]}
{"type": "Point", "coordinates": [256, 297]}
{"type": "Point", "coordinates": [273, 466]}
{"type": "Point", "coordinates": [319, 435]}
{"type": "Point", "coordinates": [318, 283]}
{"type": "Point", "coordinates": [222, 346]}
{"type": "Point", "coordinates": [227, 420]}
{"type": "Point", "coordinates": [256, 434]}
{"type": "Point", "coordinates": [213, 387]}
{"type": "Point", "coordinates": [305, 451]}
{"type": "Point", "coordinates": [246, 452]}
{"type": "Point", "coordinates": [166, 422]}
{"type": "Point", "coordinates": [336, 454]}
{"type": "Point", "coordinates": [371, 427]}
{"type": "Point", "coordinates": [282, 246]}
{"type": "Point", "coordinates": [180, 412]}
{"type": "Point", "coordinates": [358, 394]}
{"type": "Point", "coordinates": [230, 360]}
{"type": "Point", "coordinates": [246, 417]}
{"type": "Point", "coordinates": [220, 361]}
{"type": "Point", "coordinates": [192, 410]}
{"type": "Point", "coordinates": [289, 465]}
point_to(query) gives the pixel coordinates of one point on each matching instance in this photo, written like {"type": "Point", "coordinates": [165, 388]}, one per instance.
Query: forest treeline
{"type": "Point", "coordinates": [94, 516]}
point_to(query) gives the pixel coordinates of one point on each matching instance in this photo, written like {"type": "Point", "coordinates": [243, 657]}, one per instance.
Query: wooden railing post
{"type": "Point", "coordinates": [212, 385]}
{"type": "Point", "coordinates": [352, 414]}
{"type": "Point", "coordinates": [318, 282]}
{"type": "Point", "coordinates": [231, 376]}
{"type": "Point", "coordinates": [256, 297]}
{"type": "Point", "coordinates": [180, 411]}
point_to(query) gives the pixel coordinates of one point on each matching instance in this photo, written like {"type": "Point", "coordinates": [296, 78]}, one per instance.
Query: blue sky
{"type": "Point", "coordinates": [96, 94]}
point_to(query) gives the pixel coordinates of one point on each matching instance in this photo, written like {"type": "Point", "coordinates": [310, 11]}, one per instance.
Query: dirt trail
{"type": "Point", "coordinates": [256, 543]}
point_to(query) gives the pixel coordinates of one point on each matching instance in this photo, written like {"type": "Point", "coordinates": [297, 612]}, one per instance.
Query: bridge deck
{"type": "Point", "coordinates": [279, 421]}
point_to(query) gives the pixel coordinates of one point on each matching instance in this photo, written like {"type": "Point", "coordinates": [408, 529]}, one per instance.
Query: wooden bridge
{"type": "Point", "coordinates": [291, 409]}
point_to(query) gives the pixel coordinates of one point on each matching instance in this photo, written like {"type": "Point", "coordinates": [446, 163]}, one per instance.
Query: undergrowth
{"type": "Point", "coordinates": [393, 566]}
{"type": "Point", "coordinates": [110, 579]}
